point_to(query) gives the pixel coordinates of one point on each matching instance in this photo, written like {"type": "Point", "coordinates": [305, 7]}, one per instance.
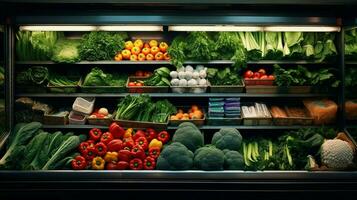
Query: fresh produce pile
{"type": "Point", "coordinates": [59, 80]}
{"type": "Point", "coordinates": [30, 148]}
{"type": "Point", "coordinates": [120, 149]}
{"type": "Point", "coordinates": [66, 51]}
{"type": "Point", "coordinates": [35, 75]}
{"type": "Point", "coordinates": [96, 77]}
{"type": "Point", "coordinates": [101, 45]}
{"type": "Point", "coordinates": [260, 77]}
{"type": "Point", "coordinates": [224, 76]}
{"type": "Point", "coordinates": [301, 149]}
{"type": "Point", "coordinates": [140, 51]}
{"type": "Point", "coordinates": [101, 113]}
{"type": "Point", "coordinates": [36, 45]}
{"type": "Point", "coordinates": [158, 78]}
{"type": "Point", "coordinates": [195, 112]}
{"type": "Point", "coordinates": [224, 108]}
{"type": "Point", "coordinates": [142, 108]}
{"type": "Point", "coordinates": [187, 150]}
{"type": "Point", "coordinates": [189, 77]}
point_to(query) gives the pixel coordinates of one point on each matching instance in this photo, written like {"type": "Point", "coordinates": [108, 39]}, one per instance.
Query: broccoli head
{"type": "Point", "coordinates": [233, 160]}
{"type": "Point", "coordinates": [227, 138]}
{"type": "Point", "coordinates": [209, 158]}
{"type": "Point", "coordinates": [175, 157]}
{"type": "Point", "coordinates": [189, 135]}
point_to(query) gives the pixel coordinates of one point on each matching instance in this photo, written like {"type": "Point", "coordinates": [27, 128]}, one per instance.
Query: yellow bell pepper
{"type": "Point", "coordinates": [111, 156]}
{"type": "Point", "coordinates": [155, 143]}
{"type": "Point", "coordinates": [98, 163]}
{"type": "Point", "coordinates": [128, 133]}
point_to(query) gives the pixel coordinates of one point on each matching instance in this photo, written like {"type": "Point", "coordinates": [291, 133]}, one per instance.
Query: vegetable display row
{"type": "Point", "coordinates": [30, 148]}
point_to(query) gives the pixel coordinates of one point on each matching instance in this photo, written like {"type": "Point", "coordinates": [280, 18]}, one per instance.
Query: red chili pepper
{"type": "Point", "coordinates": [128, 143]}
{"type": "Point", "coordinates": [95, 134]}
{"type": "Point", "coordinates": [142, 142]}
{"type": "Point", "coordinates": [124, 155]}
{"type": "Point", "coordinates": [78, 163]}
{"type": "Point", "coordinates": [106, 137]}
{"type": "Point", "coordinates": [83, 148]}
{"type": "Point", "coordinates": [163, 136]}
{"type": "Point", "coordinates": [138, 133]}
{"type": "Point", "coordinates": [122, 165]}
{"type": "Point", "coordinates": [111, 165]}
{"type": "Point", "coordinates": [138, 152]}
{"type": "Point", "coordinates": [149, 163]}
{"type": "Point", "coordinates": [116, 130]}
{"type": "Point", "coordinates": [154, 152]}
{"type": "Point", "coordinates": [100, 148]}
{"type": "Point", "coordinates": [115, 145]}
{"type": "Point", "coordinates": [136, 164]}
{"type": "Point", "coordinates": [91, 153]}
{"type": "Point", "coordinates": [150, 134]}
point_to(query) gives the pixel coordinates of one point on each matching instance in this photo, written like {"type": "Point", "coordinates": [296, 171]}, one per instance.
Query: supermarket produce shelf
{"type": "Point", "coordinates": [222, 62]}
{"type": "Point", "coordinates": [55, 95]}
{"type": "Point", "coordinates": [205, 127]}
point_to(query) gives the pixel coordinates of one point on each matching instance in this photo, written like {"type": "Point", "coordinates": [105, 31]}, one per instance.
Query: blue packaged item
{"type": "Point", "coordinates": [232, 112]}
{"type": "Point", "coordinates": [216, 104]}
{"type": "Point", "coordinates": [216, 115]}
{"type": "Point", "coordinates": [216, 99]}
{"type": "Point", "coordinates": [232, 104]}
{"type": "Point", "coordinates": [231, 108]}
{"type": "Point", "coordinates": [232, 115]}
{"type": "Point", "coordinates": [232, 99]}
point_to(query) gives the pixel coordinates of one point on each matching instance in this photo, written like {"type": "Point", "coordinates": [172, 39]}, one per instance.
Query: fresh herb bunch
{"type": "Point", "coordinates": [177, 51]}
{"type": "Point", "coordinates": [200, 46]}
{"type": "Point", "coordinates": [223, 77]}
{"type": "Point", "coordinates": [101, 45]}
{"type": "Point", "coordinates": [96, 77]}
{"type": "Point", "coordinates": [35, 75]}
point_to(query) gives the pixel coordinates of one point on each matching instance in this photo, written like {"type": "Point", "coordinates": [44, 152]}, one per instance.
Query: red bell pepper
{"type": "Point", "coordinates": [138, 133]}
{"type": "Point", "coordinates": [128, 143]}
{"type": "Point", "coordinates": [142, 142]}
{"type": "Point", "coordinates": [116, 130]}
{"type": "Point", "coordinates": [91, 143]}
{"type": "Point", "coordinates": [95, 134]}
{"type": "Point", "coordinates": [124, 155]}
{"type": "Point", "coordinates": [138, 152]}
{"type": "Point", "coordinates": [78, 163]}
{"type": "Point", "coordinates": [136, 164]}
{"type": "Point", "coordinates": [154, 152]}
{"type": "Point", "coordinates": [163, 136]}
{"type": "Point", "coordinates": [149, 163]}
{"type": "Point", "coordinates": [106, 137]}
{"type": "Point", "coordinates": [111, 165]}
{"type": "Point", "coordinates": [122, 165]}
{"type": "Point", "coordinates": [150, 134]}
{"type": "Point", "coordinates": [115, 145]}
{"type": "Point", "coordinates": [83, 148]}
{"type": "Point", "coordinates": [90, 154]}
{"type": "Point", "coordinates": [101, 149]}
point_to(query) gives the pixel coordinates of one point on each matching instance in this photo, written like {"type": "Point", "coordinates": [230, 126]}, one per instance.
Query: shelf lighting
{"type": "Point", "coordinates": [58, 28]}
{"type": "Point", "coordinates": [216, 28]}
{"type": "Point", "coordinates": [302, 28]}
{"type": "Point", "coordinates": [131, 28]}
{"type": "Point", "coordinates": [92, 28]}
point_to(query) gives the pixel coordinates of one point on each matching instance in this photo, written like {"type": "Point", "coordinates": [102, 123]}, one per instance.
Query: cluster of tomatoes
{"type": "Point", "coordinates": [259, 77]}
{"type": "Point", "coordinates": [140, 51]}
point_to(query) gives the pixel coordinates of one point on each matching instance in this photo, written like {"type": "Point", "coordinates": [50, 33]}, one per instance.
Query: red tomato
{"type": "Point", "coordinates": [256, 78]}
{"type": "Point", "coordinates": [271, 77]}
{"type": "Point", "coordinates": [139, 73]}
{"type": "Point", "coordinates": [131, 84]}
{"type": "Point", "coordinates": [248, 74]}
{"type": "Point", "coordinates": [100, 116]}
{"type": "Point", "coordinates": [262, 71]}
{"type": "Point", "coordinates": [264, 77]}
{"type": "Point", "coordinates": [139, 84]}
{"type": "Point", "coordinates": [256, 75]}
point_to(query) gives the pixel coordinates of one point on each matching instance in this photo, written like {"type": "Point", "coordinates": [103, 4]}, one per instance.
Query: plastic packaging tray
{"type": "Point", "coordinates": [256, 121]}
{"type": "Point", "coordinates": [76, 121]}
{"type": "Point", "coordinates": [64, 89]}
{"type": "Point", "coordinates": [218, 121]}
{"type": "Point", "coordinates": [264, 89]}
{"type": "Point", "coordinates": [145, 89]}
{"type": "Point", "coordinates": [197, 122]}
{"type": "Point", "coordinates": [50, 119]}
{"type": "Point", "coordinates": [288, 121]}
{"type": "Point", "coordinates": [227, 88]}
{"type": "Point", "coordinates": [84, 105]}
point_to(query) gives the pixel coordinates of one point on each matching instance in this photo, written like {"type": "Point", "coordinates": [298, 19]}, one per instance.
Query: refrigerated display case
{"type": "Point", "coordinates": [167, 23]}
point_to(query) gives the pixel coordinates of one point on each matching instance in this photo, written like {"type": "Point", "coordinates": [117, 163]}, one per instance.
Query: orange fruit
{"type": "Point", "coordinates": [173, 117]}
{"type": "Point", "coordinates": [194, 108]}
{"type": "Point", "coordinates": [166, 56]}
{"type": "Point", "coordinates": [146, 45]}
{"type": "Point", "coordinates": [139, 43]}
{"type": "Point", "coordinates": [153, 43]}
{"type": "Point", "coordinates": [163, 47]}
{"type": "Point", "coordinates": [141, 57]}
{"type": "Point", "coordinates": [129, 45]}
{"type": "Point", "coordinates": [154, 50]}
{"type": "Point", "coordinates": [118, 57]}
{"type": "Point", "coordinates": [149, 57]}
{"type": "Point", "coordinates": [159, 56]}
{"type": "Point", "coordinates": [145, 50]}
{"type": "Point", "coordinates": [133, 57]}
{"type": "Point", "coordinates": [135, 50]}
{"type": "Point", "coordinates": [126, 54]}
{"type": "Point", "coordinates": [179, 115]}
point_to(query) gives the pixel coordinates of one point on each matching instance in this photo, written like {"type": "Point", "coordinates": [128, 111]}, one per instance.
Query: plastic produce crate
{"type": "Point", "coordinates": [84, 105]}
{"type": "Point", "coordinates": [73, 120]}
{"type": "Point", "coordinates": [291, 120]}
{"type": "Point", "coordinates": [145, 89]}
{"type": "Point", "coordinates": [50, 119]}
{"type": "Point", "coordinates": [256, 121]}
